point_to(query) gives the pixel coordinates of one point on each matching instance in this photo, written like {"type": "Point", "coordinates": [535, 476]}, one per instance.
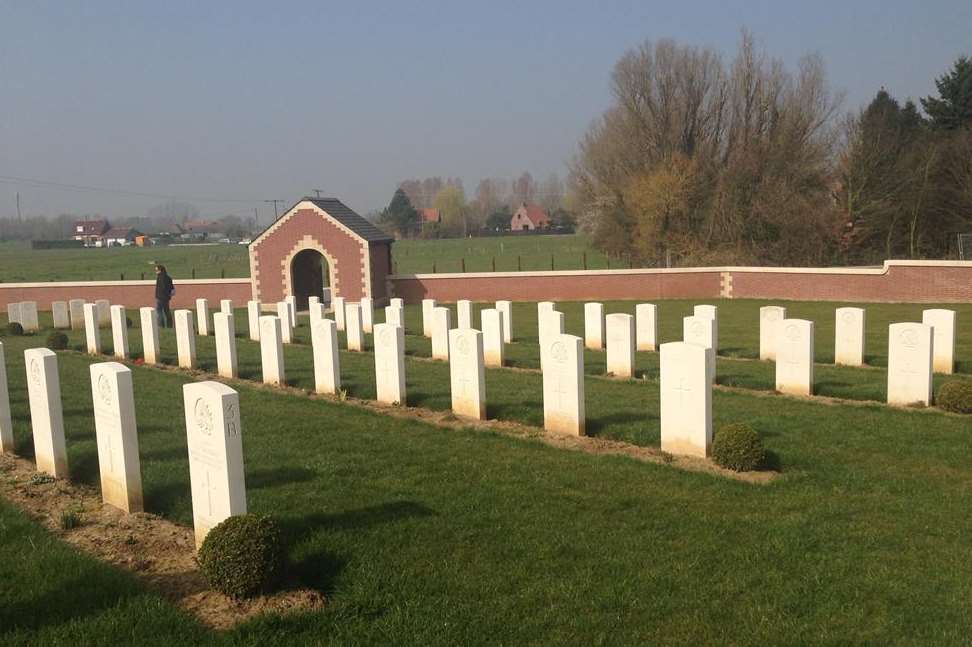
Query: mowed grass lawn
{"type": "Point", "coordinates": [20, 264]}
{"type": "Point", "coordinates": [420, 535]}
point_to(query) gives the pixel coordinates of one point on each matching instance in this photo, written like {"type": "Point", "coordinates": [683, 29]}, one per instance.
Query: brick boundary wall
{"type": "Point", "coordinates": [895, 281]}
{"type": "Point", "coordinates": [131, 294]}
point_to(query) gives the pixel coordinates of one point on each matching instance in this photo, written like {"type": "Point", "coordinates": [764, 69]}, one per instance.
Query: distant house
{"type": "Point", "coordinates": [430, 216]}
{"type": "Point", "coordinates": [120, 237]}
{"type": "Point", "coordinates": [90, 232]}
{"type": "Point", "coordinates": [529, 217]}
{"type": "Point", "coordinates": [201, 230]}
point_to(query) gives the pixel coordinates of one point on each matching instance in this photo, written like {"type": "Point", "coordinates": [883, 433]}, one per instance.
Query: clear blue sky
{"type": "Point", "coordinates": [252, 100]}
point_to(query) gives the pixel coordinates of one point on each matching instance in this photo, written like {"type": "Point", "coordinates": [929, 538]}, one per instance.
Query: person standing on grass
{"type": "Point", "coordinates": [163, 294]}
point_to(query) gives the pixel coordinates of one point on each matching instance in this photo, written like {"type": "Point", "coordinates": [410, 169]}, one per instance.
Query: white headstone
{"type": "Point", "coordinates": [150, 334]}
{"type": "Point", "coordinates": [253, 319]}
{"type": "Point", "coordinates": [427, 306]}
{"type": "Point", "coordinates": [117, 436]}
{"type": "Point", "coordinates": [794, 357]}
{"type": "Point", "coordinates": [594, 326]}
{"type": "Point", "coordinates": [464, 314]}
{"type": "Point", "coordinates": [563, 385]}
{"type": "Point", "coordinates": [441, 324]}
{"type": "Point", "coordinates": [291, 302]}
{"type": "Point", "coordinates": [943, 323]}
{"type": "Point", "coordinates": [551, 324]}
{"type": "Point", "coordinates": [710, 312]}
{"type": "Point", "coordinates": [506, 310]}
{"type": "Point", "coordinates": [59, 311]}
{"type": "Point", "coordinates": [327, 359]}
{"type": "Point", "coordinates": [76, 308]}
{"type": "Point", "coordinates": [646, 326]}
{"type": "Point", "coordinates": [542, 307]}
{"type": "Point", "coordinates": [395, 315]}
{"type": "Point", "coordinates": [910, 352]}
{"type": "Point", "coordinates": [620, 345]}
{"type": "Point", "coordinates": [13, 312]}
{"type": "Point", "coordinates": [224, 325]}
{"type": "Point", "coordinates": [397, 303]}
{"type": "Point", "coordinates": [352, 327]}
{"type": "Point", "coordinates": [6, 424]}
{"type": "Point", "coordinates": [686, 398]}
{"type": "Point", "coordinates": [271, 349]}
{"type": "Point", "coordinates": [337, 304]}
{"type": "Point", "coordinates": [119, 332]}
{"type": "Point", "coordinates": [28, 316]}
{"type": "Point", "coordinates": [226, 306]}
{"type": "Point", "coordinates": [769, 330]}
{"type": "Point", "coordinates": [92, 334]}
{"type": "Point", "coordinates": [203, 326]}
{"type": "Point", "coordinates": [46, 414]}
{"type": "Point", "coordinates": [701, 331]}
{"type": "Point", "coordinates": [849, 336]}
{"type": "Point", "coordinates": [104, 312]}
{"type": "Point", "coordinates": [494, 348]}
{"type": "Point", "coordinates": [185, 338]}
{"type": "Point", "coordinates": [367, 315]}
{"type": "Point", "coordinates": [390, 363]}
{"type": "Point", "coordinates": [466, 373]}
{"type": "Point", "coordinates": [286, 327]}
{"type": "Point", "coordinates": [215, 448]}
{"type": "Point", "coordinates": [312, 303]}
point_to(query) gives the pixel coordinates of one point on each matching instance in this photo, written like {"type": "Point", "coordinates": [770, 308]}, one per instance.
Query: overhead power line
{"type": "Point", "coordinates": [10, 179]}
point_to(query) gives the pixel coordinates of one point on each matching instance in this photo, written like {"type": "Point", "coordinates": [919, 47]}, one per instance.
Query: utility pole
{"type": "Point", "coordinates": [19, 217]}
{"type": "Point", "coordinates": [275, 214]}
{"type": "Point", "coordinates": [318, 192]}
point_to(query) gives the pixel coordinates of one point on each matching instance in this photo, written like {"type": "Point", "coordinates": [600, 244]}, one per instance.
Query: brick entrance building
{"type": "Point", "coordinates": [319, 243]}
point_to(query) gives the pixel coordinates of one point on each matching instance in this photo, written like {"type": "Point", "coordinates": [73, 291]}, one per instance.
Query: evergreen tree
{"type": "Point", "coordinates": [401, 216]}
{"type": "Point", "coordinates": [953, 107]}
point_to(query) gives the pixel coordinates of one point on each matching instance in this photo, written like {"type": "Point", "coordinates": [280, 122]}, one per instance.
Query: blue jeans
{"type": "Point", "coordinates": [163, 313]}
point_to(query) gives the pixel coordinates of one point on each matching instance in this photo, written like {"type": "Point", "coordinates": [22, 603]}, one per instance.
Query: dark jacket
{"type": "Point", "coordinates": [163, 287]}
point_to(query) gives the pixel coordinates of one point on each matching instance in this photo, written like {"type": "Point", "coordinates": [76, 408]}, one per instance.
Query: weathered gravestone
{"type": "Point", "coordinates": [794, 357]}
{"type": "Point", "coordinates": [286, 327]}
{"type": "Point", "coordinates": [92, 334]}
{"type": "Point", "coordinates": [215, 446]}
{"type": "Point", "coordinates": [46, 414]}
{"type": "Point", "coordinates": [910, 351]}
{"type": "Point", "coordinates": [203, 327]}
{"type": "Point", "coordinates": [352, 326]}
{"type": "Point", "coordinates": [115, 431]}
{"type": "Point", "coordinates": [104, 312]}
{"type": "Point", "coordinates": [119, 332]}
{"type": "Point", "coordinates": [701, 332]}
{"type": "Point", "coordinates": [271, 349]}
{"type": "Point", "coordinates": [466, 373]}
{"type": "Point", "coordinates": [327, 359]}
{"type": "Point", "coordinates": [594, 326]}
{"type": "Point", "coordinates": [710, 312]}
{"type": "Point", "coordinates": [367, 315]}
{"type": "Point", "coordinates": [441, 324]}
{"type": "Point", "coordinates": [646, 326]}
{"type": "Point", "coordinates": [620, 345]}
{"type": "Point", "coordinates": [185, 339]}
{"type": "Point", "coordinates": [6, 424]}
{"type": "Point", "coordinates": [686, 398]}
{"type": "Point", "coordinates": [337, 304]}
{"type": "Point", "coordinates": [28, 316]}
{"type": "Point", "coordinates": [150, 334]}
{"type": "Point", "coordinates": [224, 325]}
{"type": "Point", "coordinates": [563, 385]}
{"type": "Point", "coordinates": [76, 309]}
{"type": "Point", "coordinates": [769, 330]}
{"type": "Point", "coordinates": [390, 363]}
{"type": "Point", "coordinates": [428, 305]}
{"type": "Point", "coordinates": [253, 319]}
{"type": "Point", "coordinates": [494, 348]}
{"type": "Point", "coordinates": [13, 312]}
{"type": "Point", "coordinates": [61, 315]}
{"type": "Point", "coordinates": [464, 313]}
{"type": "Point", "coordinates": [849, 327]}
{"type": "Point", "coordinates": [395, 315]}
{"type": "Point", "coordinates": [943, 330]}
{"type": "Point", "coordinates": [506, 310]}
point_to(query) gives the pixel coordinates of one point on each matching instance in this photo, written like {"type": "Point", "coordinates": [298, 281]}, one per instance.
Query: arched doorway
{"type": "Point", "coordinates": [309, 276]}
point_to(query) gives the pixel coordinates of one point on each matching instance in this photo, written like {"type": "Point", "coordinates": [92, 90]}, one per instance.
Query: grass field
{"type": "Point", "coordinates": [421, 535]}
{"type": "Point", "coordinates": [18, 263]}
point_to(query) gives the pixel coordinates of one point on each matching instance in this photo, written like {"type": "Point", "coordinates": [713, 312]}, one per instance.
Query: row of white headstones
{"type": "Point", "coordinates": [212, 418]}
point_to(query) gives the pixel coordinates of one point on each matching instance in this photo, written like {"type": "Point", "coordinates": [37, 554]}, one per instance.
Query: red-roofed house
{"type": "Point", "coordinates": [89, 232]}
{"type": "Point", "coordinates": [529, 217]}
{"type": "Point", "coordinates": [430, 215]}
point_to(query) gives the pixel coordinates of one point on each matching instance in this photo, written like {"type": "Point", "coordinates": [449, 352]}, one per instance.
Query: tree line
{"type": "Point", "coordinates": [702, 161]}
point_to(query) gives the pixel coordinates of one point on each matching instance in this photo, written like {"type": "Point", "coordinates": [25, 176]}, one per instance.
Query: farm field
{"type": "Point", "coordinates": [443, 536]}
{"type": "Point", "coordinates": [18, 263]}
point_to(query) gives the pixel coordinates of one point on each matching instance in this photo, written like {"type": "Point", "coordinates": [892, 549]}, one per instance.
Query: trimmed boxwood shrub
{"type": "Point", "coordinates": [14, 329]}
{"type": "Point", "coordinates": [243, 556]}
{"type": "Point", "coordinates": [955, 396]}
{"type": "Point", "coordinates": [57, 341]}
{"type": "Point", "coordinates": [738, 447]}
